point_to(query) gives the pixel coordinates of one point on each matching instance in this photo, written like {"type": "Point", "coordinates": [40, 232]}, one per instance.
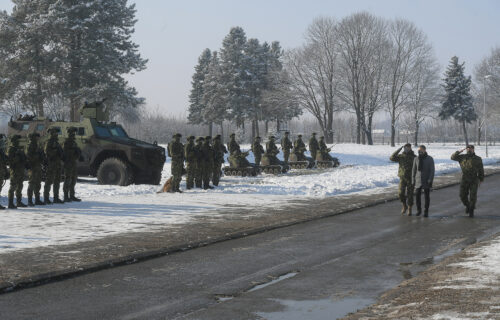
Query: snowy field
{"type": "Point", "coordinates": [108, 210]}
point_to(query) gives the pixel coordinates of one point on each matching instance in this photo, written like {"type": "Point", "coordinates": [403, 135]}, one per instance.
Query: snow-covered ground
{"type": "Point", "coordinates": [107, 210]}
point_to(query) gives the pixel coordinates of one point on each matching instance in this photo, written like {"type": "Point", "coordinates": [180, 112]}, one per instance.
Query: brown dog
{"type": "Point", "coordinates": [167, 186]}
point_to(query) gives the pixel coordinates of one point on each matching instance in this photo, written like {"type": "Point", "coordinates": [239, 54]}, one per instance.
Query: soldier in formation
{"type": "Point", "coordinates": [55, 155]}
{"type": "Point", "coordinates": [17, 164]}
{"type": "Point", "coordinates": [472, 176]}
{"type": "Point", "coordinates": [257, 150]}
{"type": "Point", "coordinates": [191, 162]}
{"type": "Point", "coordinates": [299, 147]}
{"type": "Point", "coordinates": [198, 177]}
{"type": "Point", "coordinates": [71, 155]}
{"type": "Point", "coordinates": [405, 161]}
{"type": "Point", "coordinates": [207, 163]}
{"type": "Point", "coordinates": [36, 158]}
{"type": "Point", "coordinates": [323, 149]}
{"type": "Point", "coordinates": [4, 174]}
{"type": "Point", "coordinates": [219, 151]}
{"type": "Point", "coordinates": [272, 151]}
{"type": "Point", "coordinates": [286, 146]}
{"type": "Point", "coordinates": [313, 145]}
{"type": "Point", "coordinates": [176, 152]}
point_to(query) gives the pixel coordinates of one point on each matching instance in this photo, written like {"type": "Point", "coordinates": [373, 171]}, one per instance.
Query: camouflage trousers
{"type": "Point", "coordinates": [70, 176]}
{"type": "Point", "coordinates": [406, 191]}
{"type": "Point", "coordinates": [16, 183]}
{"type": "Point", "coordinates": [206, 174]}
{"type": "Point", "coordinates": [53, 178]}
{"type": "Point", "coordinates": [257, 159]}
{"type": "Point", "coordinates": [468, 192]}
{"type": "Point", "coordinates": [286, 155]}
{"type": "Point", "coordinates": [190, 174]}
{"type": "Point", "coordinates": [176, 171]}
{"type": "Point", "coordinates": [216, 173]}
{"type": "Point", "coordinates": [198, 176]}
{"type": "Point", "coordinates": [34, 181]}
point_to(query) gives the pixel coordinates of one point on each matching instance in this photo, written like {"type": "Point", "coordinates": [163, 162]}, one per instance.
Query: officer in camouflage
{"type": "Point", "coordinates": [71, 155]}
{"type": "Point", "coordinates": [405, 161]}
{"type": "Point", "coordinates": [35, 158]}
{"type": "Point", "coordinates": [190, 156]}
{"type": "Point", "coordinates": [208, 162]}
{"type": "Point", "coordinates": [286, 146]}
{"type": "Point", "coordinates": [55, 156]}
{"type": "Point", "coordinates": [3, 164]}
{"type": "Point", "coordinates": [472, 176]}
{"type": "Point", "coordinates": [176, 152]}
{"type": "Point", "coordinates": [219, 151]}
{"type": "Point", "coordinates": [198, 177]}
{"type": "Point", "coordinates": [17, 164]}
{"type": "Point", "coordinates": [313, 145]}
{"type": "Point", "coordinates": [257, 150]}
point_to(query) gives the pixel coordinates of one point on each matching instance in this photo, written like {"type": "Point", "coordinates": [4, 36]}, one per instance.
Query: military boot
{"type": "Point", "coordinates": [20, 203]}
{"type": "Point", "coordinates": [46, 198]}
{"type": "Point", "coordinates": [2, 207]}
{"type": "Point", "coordinates": [66, 197]}
{"type": "Point", "coordinates": [405, 207]}
{"type": "Point", "coordinates": [73, 198]}
{"type": "Point", "coordinates": [467, 209]}
{"type": "Point", "coordinates": [11, 203]}
{"type": "Point", "coordinates": [30, 198]}
{"type": "Point", "coordinates": [471, 212]}
{"type": "Point", "coordinates": [57, 200]}
{"type": "Point", "coordinates": [38, 202]}
{"type": "Point", "coordinates": [426, 213]}
{"type": "Point", "coordinates": [409, 211]}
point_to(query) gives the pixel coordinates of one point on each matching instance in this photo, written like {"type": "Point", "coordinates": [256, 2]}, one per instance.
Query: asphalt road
{"type": "Point", "coordinates": [321, 269]}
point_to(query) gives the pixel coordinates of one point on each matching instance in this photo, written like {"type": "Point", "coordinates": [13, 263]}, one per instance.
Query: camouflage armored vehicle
{"type": "Point", "coordinates": [240, 166]}
{"type": "Point", "coordinates": [298, 160]}
{"type": "Point", "coordinates": [271, 164]}
{"type": "Point", "coordinates": [325, 160]}
{"type": "Point", "coordinates": [108, 153]}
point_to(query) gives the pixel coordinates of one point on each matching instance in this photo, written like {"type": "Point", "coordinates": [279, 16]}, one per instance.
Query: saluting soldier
{"type": "Point", "coordinates": [71, 155]}
{"type": "Point", "coordinates": [405, 161]}
{"type": "Point", "coordinates": [286, 146]}
{"type": "Point", "coordinates": [17, 164]}
{"type": "Point", "coordinates": [313, 145]}
{"type": "Point", "coordinates": [3, 164]}
{"type": "Point", "coordinates": [190, 155]}
{"type": "Point", "coordinates": [208, 162]}
{"type": "Point", "coordinates": [472, 176]}
{"type": "Point", "coordinates": [219, 151]}
{"type": "Point", "coordinates": [198, 177]}
{"type": "Point", "coordinates": [257, 150]}
{"type": "Point", "coordinates": [55, 155]}
{"type": "Point", "coordinates": [35, 159]}
{"type": "Point", "coordinates": [176, 151]}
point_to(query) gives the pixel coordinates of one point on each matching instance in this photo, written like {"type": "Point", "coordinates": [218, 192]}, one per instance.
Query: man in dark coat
{"type": "Point", "coordinates": [422, 178]}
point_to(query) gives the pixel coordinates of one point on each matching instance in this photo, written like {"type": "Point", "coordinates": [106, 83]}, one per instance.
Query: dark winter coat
{"type": "Point", "coordinates": [423, 178]}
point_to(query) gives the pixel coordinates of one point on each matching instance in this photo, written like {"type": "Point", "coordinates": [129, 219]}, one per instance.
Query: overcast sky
{"type": "Point", "coordinates": [172, 34]}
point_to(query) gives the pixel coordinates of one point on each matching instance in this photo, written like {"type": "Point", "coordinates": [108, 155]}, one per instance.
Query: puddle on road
{"type": "Point", "coordinates": [316, 309]}
{"type": "Point", "coordinates": [280, 278]}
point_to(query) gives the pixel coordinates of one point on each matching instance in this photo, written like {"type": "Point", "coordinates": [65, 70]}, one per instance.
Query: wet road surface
{"type": "Point", "coordinates": [321, 269]}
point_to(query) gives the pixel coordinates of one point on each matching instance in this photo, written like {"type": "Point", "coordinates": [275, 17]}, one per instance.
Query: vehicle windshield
{"type": "Point", "coordinates": [106, 132]}
{"type": "Point", "coordinates": [118, 132]}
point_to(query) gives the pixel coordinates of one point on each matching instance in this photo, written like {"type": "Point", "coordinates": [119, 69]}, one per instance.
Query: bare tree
{"type": "Point", "coordinates": [408, 46]}
{"type": "Point", "coordinates": [313, 75]}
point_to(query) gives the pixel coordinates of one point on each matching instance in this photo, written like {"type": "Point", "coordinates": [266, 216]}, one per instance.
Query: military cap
{"type": "Point", "coordinates": [287, 132]}
{"type": "Point", "coordinates": [408, 145]}
{"type": "Point", "coordinates": [15, 137]}
{"type": "Point", "coordinates": [218, 136]}
{"type": "Point", "coordinates": [470, 146]}
{"type": "Point", "coordinates": [271, 137]}
{"type": "Point", "coordinates": [322, 137]}
{"type": "Point", "coordinates": [257, 137]}
{"type": "Point", "coordinates": [208, 137]}
{"type": "Point", "coordinates": [34, 135]}
{"type": "Point", "coordinates": [200, 139]}
{"type": "Point", "coordinates": [232, 134]}
{"type": "Point", "coordinates": [190, 138]}
{"type": "Point", "coordinates": [177, 135]}
{"type": "Point", "coordinates": [299, 135]}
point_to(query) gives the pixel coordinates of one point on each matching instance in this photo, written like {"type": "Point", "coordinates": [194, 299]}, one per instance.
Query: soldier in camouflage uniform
{"type": "Point", "coordinates": [208, 162]}
{"type": "Point", "coordinates": [405, 161]}
{"type": "Point", "coordinates": [257, 150]}
{"type": "Point", "coordinates": [324, 150]}
{"type": "Point", "coordinates": [233, 145]}
{"type": "Point", "coordinates": [286, 145]}
{"type": "Point", "coordinates": [313, 145]}
{"type": "Point", "coordinates": [219, 151]}
{"type": "Point", "coordinates": [299, 147]}
{"type": "Point", "coordinates": [55, 155]}
{"type": "Point", "coordinates": [198, 177]}
{"type": "Point", "coordinates": [190, 156]}
{"type": "Point", "coordinates": [17, 164]}
{"type": "Point", "coordinates": [35, 159]}
{"type": "Point", "coordinates": [272, 151]}
{"type": "Point", "coordinates": [3, 164]}
{"type": "Point", "coordinates": [472, 176]}
{"type": "Point", "coordinates": [176, 152]}
{"type": "Point", "coordinates": [71, 155]}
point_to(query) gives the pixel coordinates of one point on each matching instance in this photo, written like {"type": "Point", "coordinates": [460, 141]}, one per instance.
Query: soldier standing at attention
{"type": "Point", "coordinates": [190, 156]}
{"type": "Point", "coordinates": [286, 145]}
{"type": "Point", "coordinates": [3, 164]}
{"type": "Point", "coordinates": [405, 161]}
{"type": "Point", "coordinates": [176, 151]}
{"type": "Point", "coordinates": [219, 151]}
{"type": "Point", "coordinates": [299, 147]}
{"type": "Point", "coordinates": [257, 150]}
{"type": "Point", "coordinates": [472, 176]}
{"type": "Point", "coordinates": [313, 145]}
{"type": "Point", "coordinates": [35, 159]}
{"type": "Point", "coordinates": [71, 155]}
{"type": "Point", "coordinates": [17, 163]}
{"type": "Point", "coordinates": [233, 145]}
{"type": "Point", "coordinates": [208, 162]}
{"type": "Point", "coordinates": [198, 177]}
{"type": "Point", "coordinates": [55, 155]}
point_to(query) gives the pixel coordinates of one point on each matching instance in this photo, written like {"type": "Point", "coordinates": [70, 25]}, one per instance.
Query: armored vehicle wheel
{"type": "Point", "coordinates": [114, 171]}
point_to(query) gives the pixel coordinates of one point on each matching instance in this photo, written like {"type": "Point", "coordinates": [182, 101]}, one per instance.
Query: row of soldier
{"type": "Point", "coordinates": [204, 156]}
{"type": "Point", "coordinates": [55, 158]}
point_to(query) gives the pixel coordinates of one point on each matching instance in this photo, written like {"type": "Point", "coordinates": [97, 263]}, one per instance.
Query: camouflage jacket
{"type": "Point", "coordinates": [286, 144]}
{"type": "Point", "coordinates": [35, 155]}
{"type": "Point", "coordinates": [176, 150]}
{"type": "Point", "coordinates": [53, 150]}
{"type": "Point", "coordinates": [471, 165]}
{"type": "Point", "coordinates": [405, 161]}
{"type": "Point", "coordinates": [219, 150]}
{"type": "Point", "coordinates": [17, 158]}
{"type": "Point", "coordinates": [207, 153]}
{"type": "Point", "coordinates": [190, 152]}
{"type": "Point", "coordinates": [271, 148]}
{"type": "Point", "coordinates": [233, 146]}
{"type": "Point", "coordinates": [313, 144]}
{"type": "Point", "coordinates": [3, 164]}
{"type": "Point", "coordinates": [299, 146]}
{"type": "Point", "coordinates": [257, 148]}
{"type": "Point", "coordinates": [71, 151]}
{"type": "Point", "coordinates": [323, 148]}
{"type": "Point", "coordinates": [198, 151]}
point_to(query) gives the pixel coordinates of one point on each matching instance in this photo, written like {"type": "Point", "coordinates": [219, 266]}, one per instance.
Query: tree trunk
{"type": "Point", "coordinates": [358, 129]}
{"type": "Point", "coordinates": [479, 135]}
{"type": "Point", "coordinates": [464, 127]}
{"type": "Point", "coordinates": [257, 130]}
{"type": "Point", "coordinates": [417, 127]}
{"type": "Point", "coordinates": [266, 124]}
{"type": "Point", "coordinates": [393, 132]}
{"type": "Point", "coordinates": [253, 130]}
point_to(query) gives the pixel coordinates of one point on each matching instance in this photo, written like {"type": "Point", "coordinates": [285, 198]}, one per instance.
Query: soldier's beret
{"type": "Point", "coordinates": [300, 136]}
{"type": "Point", "coordinates": [470, 146]}
{"type": "Point", "coordinates": [200, 139]}
{"type": "Point", "coordinates": [232, 135]}
{"type": "Point", "coordinates": [15, 137]}
{"type": "Point", "coordinates": [314, 133]}
{"type": "Point", "coordinates": [257, 137]}
{"type": "Point", "coordinates": [177, 135]}
{"type": "Point", "coordinates": [33, 135]}
{"type": "Point", "coordinates": [208, 137]}
{"type": "Point", "coordinates": [218, 136]}
{"type": "Point", "coordinates": [190, 137]}
{"type": "Point", "coordinates": [287, 132]}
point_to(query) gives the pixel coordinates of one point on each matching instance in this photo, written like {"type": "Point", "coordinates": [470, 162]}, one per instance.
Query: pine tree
{"type": "Point", "coordinates": [213, 94]}
{"type": "Point", "coordinates": [196, 107]}
{"type": "Point", "coordinates": [457, 101]}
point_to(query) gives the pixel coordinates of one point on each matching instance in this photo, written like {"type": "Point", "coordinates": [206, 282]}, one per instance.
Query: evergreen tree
{"type": "Point", "coordinates": [196, 107]}
{"type": "Point", "coordinates": [457, 101]}
{"type": "Point", "coordinates": [213, 95]}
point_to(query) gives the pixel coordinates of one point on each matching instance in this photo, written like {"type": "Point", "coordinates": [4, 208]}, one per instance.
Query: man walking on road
{"type": "Point", "coordinates": [422, 178]}
{"type": "Point", "coordinates": [405, 161]}
{"type": "Point", "coordinates": [472, 176]}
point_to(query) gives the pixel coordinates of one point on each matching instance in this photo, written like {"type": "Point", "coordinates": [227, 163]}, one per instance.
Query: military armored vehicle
{"type": "Point", "coordinates": [108, 153]}
{"type": "Point", "coordinates": [298, 160]}
{"type": "Point", "coordinates": [325, 160]}
{"type": "Point", "coordinates": [271, 164]}
{"type": "Point", "coordinates": [240, 166]}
